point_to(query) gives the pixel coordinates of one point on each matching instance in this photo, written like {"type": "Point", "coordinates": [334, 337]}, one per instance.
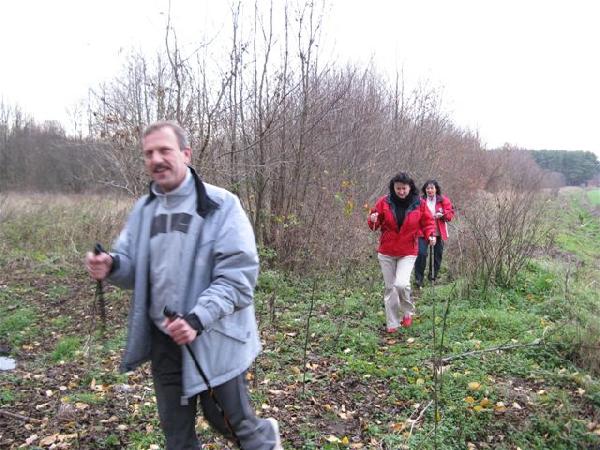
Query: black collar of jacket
{"type": "Point", "coordinates": [204, 204]}
{"type": "Point", "coordinates": [412, 206]}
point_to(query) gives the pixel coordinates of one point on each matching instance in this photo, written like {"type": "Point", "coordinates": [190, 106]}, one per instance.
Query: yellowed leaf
{"type": "Point", "coordinates": [345, 440]}
{"type": "Point", "coordinates": [334, 440]}
{"type": "Point", "coordinates": [500, 407]}
{"type": "Point", "coordinates": [48, 440]}
{"type": "Point", "coordinates": [478, 408]}
{"type": "Point", "coordinates": [474, 386]}
{"type": "Point", "coordinates": [81, 406]}
{"type": "Point", "coordinates": [484, 402]}
{"type": "Point", "coordinates": [398, 427]}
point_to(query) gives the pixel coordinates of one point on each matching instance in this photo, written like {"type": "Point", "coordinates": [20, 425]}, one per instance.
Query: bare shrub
{"type": "Point", "coordinates": [498, 231]}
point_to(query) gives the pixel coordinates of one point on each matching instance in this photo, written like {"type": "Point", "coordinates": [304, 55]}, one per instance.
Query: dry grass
{"type": "Point", "coordinates": [52, 223]}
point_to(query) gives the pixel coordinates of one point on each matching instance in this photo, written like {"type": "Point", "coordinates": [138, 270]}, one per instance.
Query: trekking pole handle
{"type": "Point", "coordinates": [98, 249]}
{"type": "Point", "coordinates": [169, 313]}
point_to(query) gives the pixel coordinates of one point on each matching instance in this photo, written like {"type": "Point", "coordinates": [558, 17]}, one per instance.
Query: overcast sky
{"type": "Point", "coordinates": [524, 72]}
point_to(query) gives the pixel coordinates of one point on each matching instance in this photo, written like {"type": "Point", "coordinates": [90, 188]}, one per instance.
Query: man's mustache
{"type": "Point", "coordinates": [159, 167]}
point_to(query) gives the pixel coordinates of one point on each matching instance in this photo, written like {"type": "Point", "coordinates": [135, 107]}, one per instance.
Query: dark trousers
{"type": "Point", "coordinates": [438, 251]}
{"type": "Point", "coordinates": [178, 421]}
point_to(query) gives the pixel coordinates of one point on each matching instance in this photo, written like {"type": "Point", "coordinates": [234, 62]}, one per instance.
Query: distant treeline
{"type": "Point", "coordinates": [578, 167]}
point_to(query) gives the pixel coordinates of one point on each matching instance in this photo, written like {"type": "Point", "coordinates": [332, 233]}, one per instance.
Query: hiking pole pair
{"type": "Point", "coordinates": [211, 392]}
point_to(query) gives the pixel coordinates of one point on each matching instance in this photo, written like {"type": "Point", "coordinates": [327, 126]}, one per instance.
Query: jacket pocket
{"type": "Point", "coordinates": [229, 326]}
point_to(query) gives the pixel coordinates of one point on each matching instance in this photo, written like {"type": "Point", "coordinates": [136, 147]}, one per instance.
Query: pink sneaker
{"type": "Point", "coordinates": [407, 321]}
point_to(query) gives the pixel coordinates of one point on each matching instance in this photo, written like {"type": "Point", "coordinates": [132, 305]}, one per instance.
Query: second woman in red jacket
{"type": "Point", "coordinates": [441, 208]}
{"type": "Point", "coordinates": [401, 218]}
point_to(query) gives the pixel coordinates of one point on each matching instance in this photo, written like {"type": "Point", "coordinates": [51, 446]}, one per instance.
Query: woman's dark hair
{"type": "Point", "coordinates": [402, 177]}
{"type": "Point", "coordinates": [438, 190]}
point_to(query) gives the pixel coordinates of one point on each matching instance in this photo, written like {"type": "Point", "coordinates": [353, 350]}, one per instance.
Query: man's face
{"type": "Point", "coordinates": [165, 162]}
{"type": "Point", "coordinates": [401, 189]}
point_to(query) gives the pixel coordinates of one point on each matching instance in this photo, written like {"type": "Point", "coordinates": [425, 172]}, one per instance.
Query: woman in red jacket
{"type": "Point", "coordinates": [442, 211]}
{"type": "Point", "coordinates": [402, 218]}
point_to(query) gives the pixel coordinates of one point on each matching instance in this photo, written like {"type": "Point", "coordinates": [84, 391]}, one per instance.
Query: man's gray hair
{"type": "Point", "coordinates": [180, 133]}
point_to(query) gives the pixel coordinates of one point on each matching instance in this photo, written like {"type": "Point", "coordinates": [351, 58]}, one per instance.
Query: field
{"type": "Point", "coordinates": [520, 369]}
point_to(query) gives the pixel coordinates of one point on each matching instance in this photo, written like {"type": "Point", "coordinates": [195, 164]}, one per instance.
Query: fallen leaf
{"type": "Point", "coordinates": [500, 407]}
{"type": "Point", "coordinates": [469, 400]}
{"type": "Point", "coordinates": [48, 440]}
{"type": "Point", "coordinates": [398, 427]}
{"type": "Point", "coordinates": [474, 386]}
{"type": "Point", "coordinates": [484, 402]}
{"type": "Point", "coordinates": [31, 439]}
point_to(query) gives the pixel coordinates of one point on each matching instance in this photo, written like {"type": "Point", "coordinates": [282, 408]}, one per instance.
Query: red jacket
{"type": "Point", "coordinates": [443, 205]}
{"type": "Point", "coordinates": [404, 242]}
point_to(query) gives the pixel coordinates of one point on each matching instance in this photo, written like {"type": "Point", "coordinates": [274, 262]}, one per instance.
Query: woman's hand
{"type": "Point", "coordinates": [373, 217]}
{"type": "Point", "coordinates": [432, 240]}
{"type": "Point", "coordinates": [438, 215]}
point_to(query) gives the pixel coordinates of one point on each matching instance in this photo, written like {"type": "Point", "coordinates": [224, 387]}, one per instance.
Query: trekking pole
{"type": "Point", "coordinates": [100, 292]}
{"type": "Point", "coordinates": [211, 392]}
{"type": "Point", "coordinates": [435, 358]}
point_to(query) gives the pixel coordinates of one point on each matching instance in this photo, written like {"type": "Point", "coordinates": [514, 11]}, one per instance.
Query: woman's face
{"type": "Point", "coordinates": [430, 190]}
{"type": "Point", "coordinates": [401, 189]}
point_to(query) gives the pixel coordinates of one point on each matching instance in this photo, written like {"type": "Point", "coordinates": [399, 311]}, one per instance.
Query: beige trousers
{"type": "Point", "coordinates": [396, 277]}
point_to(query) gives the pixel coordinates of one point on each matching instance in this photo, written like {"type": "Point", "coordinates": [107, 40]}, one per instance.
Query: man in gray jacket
{"type": "Point", "coordinates": [189, 246]}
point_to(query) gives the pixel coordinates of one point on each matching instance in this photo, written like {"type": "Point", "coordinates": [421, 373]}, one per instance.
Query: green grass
{"type": "Point", "coordinates": [66, 349]}
{"type": "Point", "coordinates": [593, 196]}
{"type": "Point", "coordinates": [16, 324]}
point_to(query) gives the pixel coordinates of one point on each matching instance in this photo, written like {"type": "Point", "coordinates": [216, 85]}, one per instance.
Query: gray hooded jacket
{"type": "Point", "coordinates": [219, 271]}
